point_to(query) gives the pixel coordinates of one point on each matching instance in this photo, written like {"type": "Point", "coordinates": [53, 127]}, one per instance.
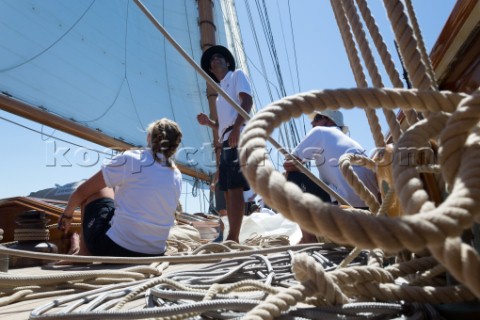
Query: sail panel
{"type": "Point", "coordinates": [103, 64]}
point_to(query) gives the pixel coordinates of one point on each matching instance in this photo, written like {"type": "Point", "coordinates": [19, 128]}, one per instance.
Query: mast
{"type": "Point", "coordinates": [207, 38]}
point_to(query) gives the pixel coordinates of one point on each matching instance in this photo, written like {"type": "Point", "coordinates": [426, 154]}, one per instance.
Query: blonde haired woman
{"type": "Point", "coordinates": [146, 186]}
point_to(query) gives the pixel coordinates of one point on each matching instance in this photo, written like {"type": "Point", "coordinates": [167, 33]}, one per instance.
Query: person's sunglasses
{"type": "Point", "coordinates": [319, 117]}
{"type": "Point", "coordinates": [216, 56]}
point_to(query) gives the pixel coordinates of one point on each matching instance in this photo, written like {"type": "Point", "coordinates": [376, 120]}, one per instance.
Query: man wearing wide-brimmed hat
{"type": "Point", "coordinates": [219, 63]}
{"type": "Point", "coordinates": [325, 143]}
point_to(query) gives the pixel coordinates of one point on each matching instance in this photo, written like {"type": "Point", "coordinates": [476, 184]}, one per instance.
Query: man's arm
{"type": "Point", "coordinates": [204, 120]}
{"type": "Point", "coordinates": [246, 104]}
{"type": "Point", "coordinates": [289, 166]}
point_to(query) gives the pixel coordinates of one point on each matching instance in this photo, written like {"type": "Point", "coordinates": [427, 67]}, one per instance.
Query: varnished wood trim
{"type": "Point", "coordinates": [462, 21]}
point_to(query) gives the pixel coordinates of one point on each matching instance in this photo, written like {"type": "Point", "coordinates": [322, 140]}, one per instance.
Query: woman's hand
{"type": "Point", "coordinates": [64, 222]}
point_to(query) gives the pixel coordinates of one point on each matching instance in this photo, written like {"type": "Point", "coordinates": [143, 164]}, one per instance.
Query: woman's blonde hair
{"type": "Point", "coordinates": [165, 137]}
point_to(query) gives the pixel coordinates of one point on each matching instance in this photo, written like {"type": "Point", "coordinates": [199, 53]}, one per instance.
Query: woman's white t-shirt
{"type": "Point", "coordinates": [146, 196]}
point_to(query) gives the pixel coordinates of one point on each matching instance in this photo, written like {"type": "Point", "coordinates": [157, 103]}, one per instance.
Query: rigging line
{"type": "Point", "coordinates": [123, 80]}
{"type": "Point", "coordinates": [47, 136]}
{"type": "Point", "coordinates": [272, 47]}
{"type": "Point", "coordinates": [269, 152]}
{"type": "Point", "coordinates": [54, 43]}
{"type": "Point", "coordinates": [262, 71]}
{"type": "Point", "coordinates": [231, 23]}
{"type": "Point", "coordinates": [285, 47]}
{"type": "Point", "coordinates": [294, 46]}
{"type": "Point", "coordinates": [135, 109]}
{"type": "Point", "coordinates": [274, 56]}
{"type": "Point", "coordinates": [262, 63]}
{"type": "Point", "coordinates": [207, 199]}
{"type": "Point", "coordinates": [291, 124]}
{"type": "Point", "coordinates": [165, 63]}
{"type": "Point", "coordinates": [296, 60]}
{"type": "Point", "coordinates": [53, 137]}
{"type": "Point", "coordinates": [109, 107]}
{"type": "Point", "coordinates": [257, 45]}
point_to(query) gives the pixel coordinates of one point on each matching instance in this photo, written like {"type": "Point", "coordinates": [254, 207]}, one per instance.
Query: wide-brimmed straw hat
{"type": "Point", "coordinates": [334, 115]}
{"type": "Point", "coordinates": [207, 56]}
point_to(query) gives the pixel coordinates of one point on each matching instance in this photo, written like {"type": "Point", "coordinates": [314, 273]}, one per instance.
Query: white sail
{"type": "Point", "coordinates": [103, 65]}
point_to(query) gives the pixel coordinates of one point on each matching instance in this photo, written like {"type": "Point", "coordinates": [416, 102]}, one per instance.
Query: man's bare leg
{"type": "Point", "coordinates": [308, 237]}
{"type": "Point", "coordinates": [235, 210]}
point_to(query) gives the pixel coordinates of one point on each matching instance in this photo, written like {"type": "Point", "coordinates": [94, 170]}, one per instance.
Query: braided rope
{"type": "Point", "coordinates": [356, 26]}
{"type": "Point", "coordinates": [375, 258]}
{"type": "Point", "coordinates": [427, 276]}
{"type": "Point", "coordinates": [452, 141]}
{"type": "Point", "coordinates": [274, 304]}
{"type": "Point", "coordinates": [97, 301]}
{"type": "Point", "coordinates": [357, 69]}
{"type": "Point", "coordinates": [427, 226]}
{"type": "Point", "coordinates": [408, 46]}
{"type": "Point", "coordinates": [461, 260]}
{"type": "Point", "coordinates": [410, 267]}
{"type": "Point", "coordinates": [353, 283]}
{"type": "Point", "coordinates": [393, 292]}
{"type": "Point", "coordinates": [8, 280]}
{"type": "Point", "coordinates": [317, 282]}
{"type": "Point", "coordinates": [345, 165]}
{"type": "Point", "coordinates": [349, 258]}
{"type": "Point", "coordinates": [408, 183]}
{"type": "Point", "coordinates": [387, 202]}
{"type": "Point", "coordinates": [382, 49]}
{"type": "Point", "coordinates": [421, 44]}
{"type": "Point", "coordinates": [385, 56]}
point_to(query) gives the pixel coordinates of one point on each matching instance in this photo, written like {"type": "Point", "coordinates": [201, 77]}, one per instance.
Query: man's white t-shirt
{"type": "Point", "coordinates": [233, 84]}
{"type": "Point", "coordinates": [326, 145]}
{"type": "Point", "coordinates": [146, 196]}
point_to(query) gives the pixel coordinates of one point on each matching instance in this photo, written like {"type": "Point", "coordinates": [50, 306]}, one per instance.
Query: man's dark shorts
{"type": "Point", "coordinates": [96, 222]}
{"type": "Point", "coordinates": [230, 176]}
{"type": "Point", "coordinates": [307, 185]}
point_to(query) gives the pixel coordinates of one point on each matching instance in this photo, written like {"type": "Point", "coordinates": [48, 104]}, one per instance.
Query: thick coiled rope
{"type": "Point", "coordinates": [342, 285]}
{"type": "Point", "coordinates": [426, 225]}
{"type": "Point", "coordinates": [409, 47]}
{"type": "Point", "coordinates": [356, 65]}
{"type": "Point", "coordinates": [345, 164]}
{"type": "Point", "coordinates": [367, 54]}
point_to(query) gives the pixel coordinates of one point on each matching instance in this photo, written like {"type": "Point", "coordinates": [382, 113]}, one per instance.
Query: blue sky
{"type": "Point", "coordinates": [29, 161]}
